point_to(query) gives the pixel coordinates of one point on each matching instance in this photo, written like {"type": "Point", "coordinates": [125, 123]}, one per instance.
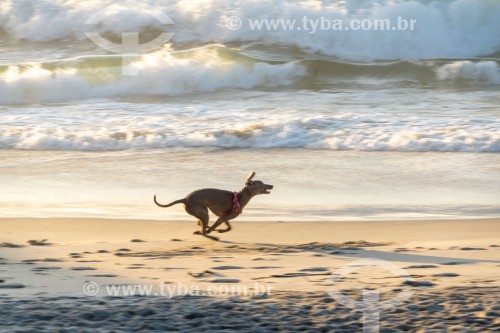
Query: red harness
{"type": "Point", "coordinates": [236, 206]}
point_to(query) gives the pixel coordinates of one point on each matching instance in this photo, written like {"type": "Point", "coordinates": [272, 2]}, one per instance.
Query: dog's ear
{"type": "Point", "coordinates": [248, 181]}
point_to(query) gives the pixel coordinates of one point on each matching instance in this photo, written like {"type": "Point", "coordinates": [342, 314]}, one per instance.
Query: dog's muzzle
{"type": "Point", "coordinates": [267, 189]}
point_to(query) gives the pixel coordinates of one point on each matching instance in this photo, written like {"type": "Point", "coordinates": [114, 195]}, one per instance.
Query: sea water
{"type": "Point", "coordinates": [347, 125]}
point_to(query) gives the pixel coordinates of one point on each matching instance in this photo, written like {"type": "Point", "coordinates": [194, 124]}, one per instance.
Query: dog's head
{"type": "Point", "coordinates": [256, 186]}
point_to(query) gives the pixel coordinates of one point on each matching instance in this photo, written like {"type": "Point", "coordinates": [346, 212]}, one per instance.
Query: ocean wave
{"type": "Point", "coordinates": [457, 28]}
{"type": "Point", "coordinates": [161, 73]}
{"type": "Point", "coordinates": [214, 67]}
{"type": "Point", "coordinates": [345, 131]}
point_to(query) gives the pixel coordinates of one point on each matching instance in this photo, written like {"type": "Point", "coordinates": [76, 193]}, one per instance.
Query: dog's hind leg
{"type": "Point", "coordinates": [202, 225]}
{"type": "Point", "coordinates": [202, 216]}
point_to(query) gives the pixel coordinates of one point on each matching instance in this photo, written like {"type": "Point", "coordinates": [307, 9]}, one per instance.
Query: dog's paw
{"type": "Point", "coordinates": [222, 231]}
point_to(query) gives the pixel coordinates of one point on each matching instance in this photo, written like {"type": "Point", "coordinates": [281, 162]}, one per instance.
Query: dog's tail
{"type": "Point", "coordinates": [170, 204]}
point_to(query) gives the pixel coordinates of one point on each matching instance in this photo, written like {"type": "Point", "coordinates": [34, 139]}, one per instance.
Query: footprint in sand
{"type": "Point", "coordinates": [82, 268]}
{"type": "Point", "coordinates": [11, 286]}
{"type": "Point", "coordinates": [421, 266]}
{"type": "Point", "coordinates": [259, 259]}
{"type": "Point", "coordinates": [137, 266]}
{"type": "Point", "coordinates": [222, 268]}
{"type": "Point", "coordinates": [225, 281]}
{"type": "Point", "coordinates": [402, 249]}
{"type": "Point", "coordinates": [472, 249]}
{"type": "Point", "coordinates": [446, 275]}
{"type": "Point", "coordinates": [11, 245]}
{"type": "Point", "coordinates": [46, 260]}
{"type": "Point", "coordinates": [300, 274]}
{"type": "Point", "coordinates": [314, 269]}
{"type": "Point", "coordinates": [40, 269]}
{"type": "Point", "coordinates": [419, 283]}
{"type": "Point", "coordinates": [451, 263]}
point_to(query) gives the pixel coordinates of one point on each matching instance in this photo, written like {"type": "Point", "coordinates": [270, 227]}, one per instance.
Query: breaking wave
{"type": "Point", "coordinates": [344, 131]}
{"type": "Point", "coordinates": [214, 67]}
{"type": "Point", "coordinates": [457, 28]}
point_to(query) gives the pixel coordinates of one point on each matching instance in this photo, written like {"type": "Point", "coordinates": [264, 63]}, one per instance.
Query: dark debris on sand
{"type": "Point", "coordinates": [43, 242]}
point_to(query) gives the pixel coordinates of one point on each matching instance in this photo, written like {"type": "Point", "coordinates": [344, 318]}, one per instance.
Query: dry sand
{"type": "Point", "coordinates": [261, 277]}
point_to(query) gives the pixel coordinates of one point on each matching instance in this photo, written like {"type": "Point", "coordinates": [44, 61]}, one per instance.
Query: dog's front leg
{"type": "Point", "coordinates": [219, 221]}
{"type": "Point", "coordinates": [227, 229]}
{"type": "Point", "coordinates": [204, 232]}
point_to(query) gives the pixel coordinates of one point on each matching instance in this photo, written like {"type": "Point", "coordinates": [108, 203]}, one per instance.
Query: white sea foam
{"type": "Point", "coordinates": [483, 71]}
{"type": "Point", "coordinates": [457, 28]}
{"type": "Point", "coordinates": [223, 126]}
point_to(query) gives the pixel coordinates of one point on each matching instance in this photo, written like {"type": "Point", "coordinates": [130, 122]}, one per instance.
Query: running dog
{"type": "Point", "coordinates": [225, 204]}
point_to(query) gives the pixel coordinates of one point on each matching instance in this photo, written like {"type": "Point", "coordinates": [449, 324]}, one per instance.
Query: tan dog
{"type": "Point", "coordinates": [225, 204]}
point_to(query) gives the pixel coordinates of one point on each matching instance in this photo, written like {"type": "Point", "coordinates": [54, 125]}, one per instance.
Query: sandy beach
{"type": "Point", "coordinates": [91, 275]}
{"type": "Point", "coordinates": [376, 123]}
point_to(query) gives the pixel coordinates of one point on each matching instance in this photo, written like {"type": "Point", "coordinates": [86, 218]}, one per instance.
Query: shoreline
{"type": "Point", "coordinates": [318, 185]}
{"type": "Point", "coordinates": [61, 229]}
